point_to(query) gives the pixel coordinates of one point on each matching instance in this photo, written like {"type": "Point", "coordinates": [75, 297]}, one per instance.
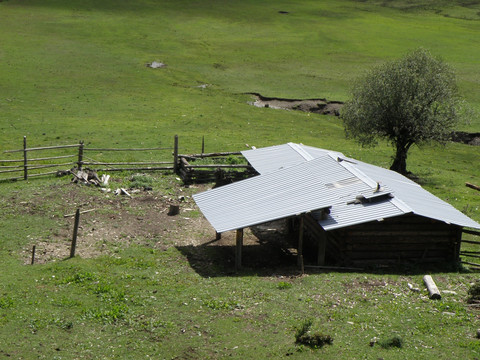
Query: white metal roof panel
{"type": "Point", "coordinates": [279, 157]}
{"type": "Point", "coordinates": [421, 201]}
{"type": "Point", "coordinates": [279, 194]}
{"type": "Point", "coordinates": [344, 215]}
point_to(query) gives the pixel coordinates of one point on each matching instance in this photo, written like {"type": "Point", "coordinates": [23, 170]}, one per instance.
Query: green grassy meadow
{"type": "Point", "coordinates": [76, 70]}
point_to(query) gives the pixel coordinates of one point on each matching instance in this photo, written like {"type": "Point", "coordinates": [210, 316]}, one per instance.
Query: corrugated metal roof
{"type": "Point", "coordinates": [279, 157]}
{"type": "Point", "coordinates": [296, 178]}
{"type": "Point", "coordinates": [294, 190]}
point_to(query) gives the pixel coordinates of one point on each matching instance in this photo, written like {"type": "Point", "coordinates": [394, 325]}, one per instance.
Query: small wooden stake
{"type": "Point", "coordinates": [75, 232]}
{"type": "Point", "coordinates": [203, 144]}
{"type": "Point", "coordinates": [238, 249]}
{"type": "Point", "coordinates": [433, 291]}
{"type": "Point", "coordinates": [33, 254]}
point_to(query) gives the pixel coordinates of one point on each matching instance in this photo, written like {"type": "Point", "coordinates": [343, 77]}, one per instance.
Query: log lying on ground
{"type": "Point", "coordinates": [433, 292]}
{"type": "Point", "coordinates": [472, 186]}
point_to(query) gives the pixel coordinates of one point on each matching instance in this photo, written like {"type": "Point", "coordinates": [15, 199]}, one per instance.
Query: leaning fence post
{"type": "Point", "coordinates": [80, 155]}
{"type": "Point", "coordinates": [75, 232]}
{"type": "Point", "coordinates": [25, 164]}
{"type": "Point", "coordinates": [175, 155]}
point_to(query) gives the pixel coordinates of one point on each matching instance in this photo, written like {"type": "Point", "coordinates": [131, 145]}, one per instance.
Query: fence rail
{"type": "Point", "coordinates": [471, 253]}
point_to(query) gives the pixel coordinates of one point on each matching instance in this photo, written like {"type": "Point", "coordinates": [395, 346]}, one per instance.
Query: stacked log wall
{"type": "Point", "coordinates": [397, 240]}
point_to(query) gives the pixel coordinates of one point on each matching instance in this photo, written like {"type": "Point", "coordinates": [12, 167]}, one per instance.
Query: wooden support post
{"type": "Point", "coordinates": [33, 254]}
{"type": "Point", "coordinates": [300, 243]}
{"type": "Point", "coordinates": [203, 145]}
{"type": "Point", "coordinates": [175, 155]}
{"type": "Point", "coordinates": [75, 232]}
{"type": "Point", "coordinates": [25, 163]}
{"type": "Point", "coordinates": [322, 245]}
{"type": "Point", "coordinates": [238, 249]}
{"type": "Point", "coordinates": [218, 235]}
{"type": "Point", "coordinates": [433, 292]}
{"type": "Point", "coordinates": [80, 155]}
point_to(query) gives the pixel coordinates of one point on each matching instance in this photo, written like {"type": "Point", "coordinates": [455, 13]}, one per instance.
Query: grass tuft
{"type": "Point", "coordinates": [392, 342]}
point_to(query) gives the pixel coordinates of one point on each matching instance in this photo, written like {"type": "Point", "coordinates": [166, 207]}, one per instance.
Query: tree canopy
{"type": "Point", "coordinates": [412, 100]}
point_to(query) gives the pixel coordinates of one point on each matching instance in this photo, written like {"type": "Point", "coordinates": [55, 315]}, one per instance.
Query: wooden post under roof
{"type": "Point", "coordinates": [300, 243]}
{"type": "Point", "coordinates": [238, 249]}
{"type": "Point", "coordinates": [322, 244]}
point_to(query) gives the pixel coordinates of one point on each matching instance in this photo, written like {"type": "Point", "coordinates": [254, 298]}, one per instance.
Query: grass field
{"type": "Point", "coordinates": [76, 70]}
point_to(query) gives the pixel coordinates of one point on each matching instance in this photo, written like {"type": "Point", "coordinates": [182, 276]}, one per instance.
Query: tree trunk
{"type": "Point", "coordinates": [400, 161]}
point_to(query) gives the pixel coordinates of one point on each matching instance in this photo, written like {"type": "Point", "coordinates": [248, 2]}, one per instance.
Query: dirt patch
{"type": "Point", "coordinates": [317, 106]}
{"type": "Point", "coordinates": [466, 138]}
{"type": "Point", "coordinates": [120, 221]}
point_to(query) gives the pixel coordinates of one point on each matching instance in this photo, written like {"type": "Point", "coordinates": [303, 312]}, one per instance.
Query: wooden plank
{"type": "Point", "coordinates": [335, 268]}
{"type": "Point", "coordinates": [128, 163]}
{"type": "Point", "coordinates": [30, 167]}
{"type": "Point", "coordinates": [470, 263]}
{"type": "Point", "coordinates": [194, 156]}
{"type": "Point", "coordinates": [471, 242]}
{"type": "Point", "coordinates": [43, 148]}
{"type": "Point", "coordinates": [52, 158]}
{"type": "Point", "coordinates": [10, 161]}
{"type": "Point", "coordinates": [10, 171]}
{"type": "Point", "coordinates": [126, 149]}
{"type": "Point", "coordinates": [471, 232]}
{"type": "Point", "coordinates": [469, 255]}
{"type": "Point", "coordinates": [218, 166]}
{"type": "Point", "coordinates": [137, 169]}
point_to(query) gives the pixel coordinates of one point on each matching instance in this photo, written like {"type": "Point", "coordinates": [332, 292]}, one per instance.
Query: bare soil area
{"type": "Point", "coordinates": [318, 106]}
{"type": "Point", "coordinates": [120, 221]}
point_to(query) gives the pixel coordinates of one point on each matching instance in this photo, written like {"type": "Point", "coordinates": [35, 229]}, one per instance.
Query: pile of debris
{"type": "Point", "coordinates": [89, 177]}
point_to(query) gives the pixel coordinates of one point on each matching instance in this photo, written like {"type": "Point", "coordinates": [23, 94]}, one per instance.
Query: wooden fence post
{"type": "Point", "coordinates": [175, 155]}
{"type": "Point", "coordinates": [203, 145]}
{"type": "Point", "coordinates": [75, 232]}
{"type": "Point", "coordinates": [80, 155]}
{"type": "Point", "coordinates": [300, 244]}
{"type": "Point", "coordinates": [25, 164]}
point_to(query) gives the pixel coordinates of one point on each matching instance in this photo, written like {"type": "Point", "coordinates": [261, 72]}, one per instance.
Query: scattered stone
{"type": "Point", "coordinates": [156, 65]}
{"type": "Point", "coordinates": [449, 292]}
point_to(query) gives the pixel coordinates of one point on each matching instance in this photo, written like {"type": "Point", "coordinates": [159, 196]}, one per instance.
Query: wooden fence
{"type": "Point", "coordinates": [222, 173]}
{"type": "Point", "coordinates": [475, 255]}
{"type": "Point", "coordinates": [79, 158]}
{"type": "Point", "coordinates": [202, 167]}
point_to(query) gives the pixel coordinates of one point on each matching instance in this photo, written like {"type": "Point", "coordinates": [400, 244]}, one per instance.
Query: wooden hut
{"type": "Point", "coordinates": [353, 212]}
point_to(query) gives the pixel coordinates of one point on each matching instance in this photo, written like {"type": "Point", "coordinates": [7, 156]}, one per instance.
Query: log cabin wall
{"type": "Point", "coordinates": [405, 239]}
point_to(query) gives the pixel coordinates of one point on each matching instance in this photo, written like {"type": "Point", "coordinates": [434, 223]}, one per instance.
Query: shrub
{"type": "Point", "coordinates": [316, 340]}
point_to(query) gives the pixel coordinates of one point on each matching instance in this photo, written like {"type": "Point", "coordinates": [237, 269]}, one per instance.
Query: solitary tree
{"type": "Point", "coordinates": [409, 101]}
